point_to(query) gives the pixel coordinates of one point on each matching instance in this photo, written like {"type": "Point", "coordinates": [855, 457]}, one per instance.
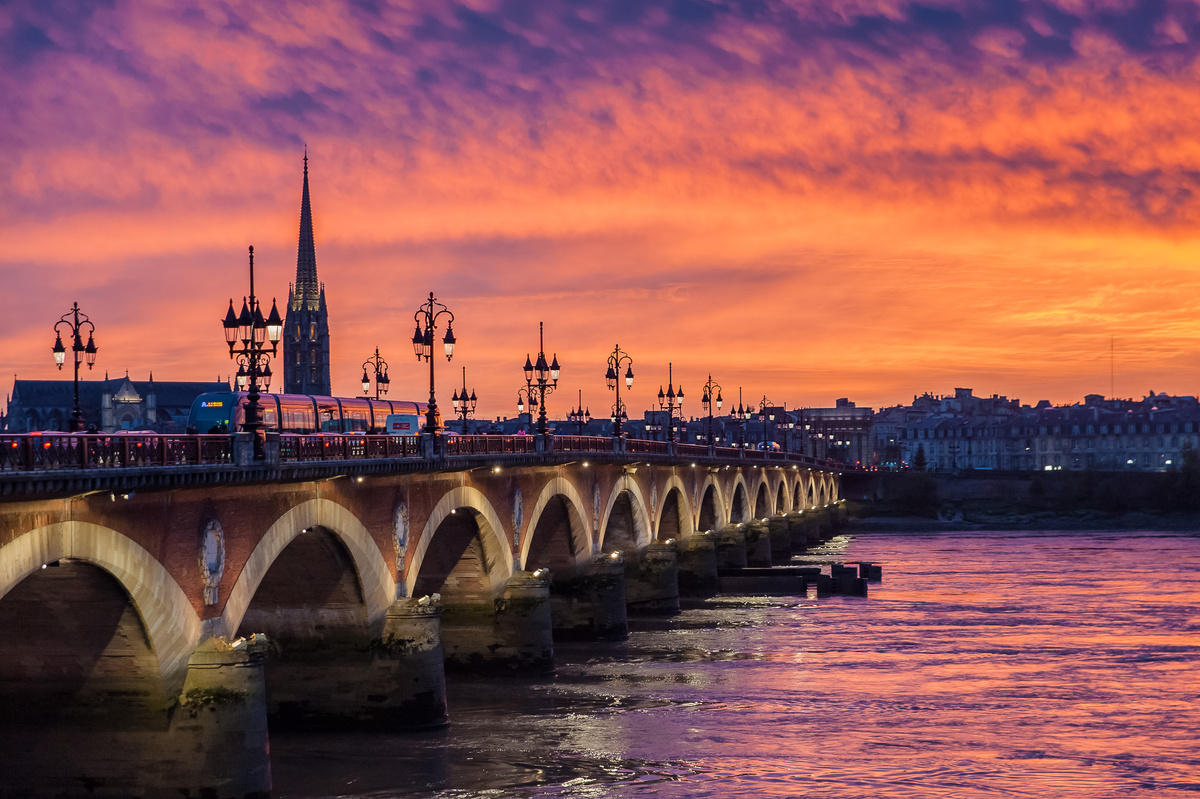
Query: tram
{"type": "Point", "coordinates": [303, 413]}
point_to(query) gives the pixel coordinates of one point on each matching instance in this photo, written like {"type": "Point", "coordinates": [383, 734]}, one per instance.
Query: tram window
{"type": "Point", "coordinates": [329, 416]}
{"type": "Point", "coordinates": [298, 416]}
{"type": "Point", "coordinates": [355, 415]}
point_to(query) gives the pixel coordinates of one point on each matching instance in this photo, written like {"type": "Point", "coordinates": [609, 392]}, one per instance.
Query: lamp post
{"type": "Point", "coordinates": [613, 378]}
{"type": "Point", "coordinates": [740, 415]}
{"type": "Point", "coordinates": [711, 396]}
{"type": "Point", "coordinates": [75, 320]}
{"type": "Point", "coordinates": [788, 425]}
{"type": "Point", "coordinates": [380, 368]}
{"type": "Point", "coordinates": [526, 396]}
{"type": "Point", "coordinates": [464, 405]}
{"type": "Point", "coordinates": [253, 357]}
{"type": "Point", "coordinates": [766, 414]}
{"type": "Point", "coordinates": [579, 416]}
{"type": "Point", "coordinates": [426, 318]}
{"type": "Point", "coordinates": [544, 376]}
{"type": "Point", "coordinates": [673, 403]}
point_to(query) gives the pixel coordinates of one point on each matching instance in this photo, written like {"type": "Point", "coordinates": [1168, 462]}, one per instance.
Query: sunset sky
{"type": "Point", "coordinates": [808, 199]}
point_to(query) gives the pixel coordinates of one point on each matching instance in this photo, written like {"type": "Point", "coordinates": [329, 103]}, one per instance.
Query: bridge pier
{"type": "Point", "coordinates": [824, 522]}
{"type": "Point", "coordinates": [812, 527]}
{"type": "Point", "coordinates": [591, 606]}
{"type": "Point", "coordinates": [758, 544]}
{"type": "Point", "coordinates": [796, 536]}
{"type": "Point", "coordinates": [513, 632]}
{"type": "Point", "coordinates": [212, 742]}
{"type": "Point", "coordinates": [652, 580]}
{"type": "Point", "coordinates": [781, 539]}
{"type": "Point", "coordinates": [218, 735]}
{"type": "Point", "coordinates": [731, 547]}
{"type": "Point", "coordinates": [698, 566]}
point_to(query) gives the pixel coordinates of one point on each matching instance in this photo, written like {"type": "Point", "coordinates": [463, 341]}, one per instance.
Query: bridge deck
{"type": "Point", "coordinates": [47, 465]}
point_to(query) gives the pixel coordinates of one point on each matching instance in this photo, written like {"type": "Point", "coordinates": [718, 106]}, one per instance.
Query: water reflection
{"type": "Point", "coordinates": [985, 665]}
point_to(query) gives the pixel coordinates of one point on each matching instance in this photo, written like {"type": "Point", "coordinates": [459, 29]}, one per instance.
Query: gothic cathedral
{"type": "Point", "coordinates": [306, 327]}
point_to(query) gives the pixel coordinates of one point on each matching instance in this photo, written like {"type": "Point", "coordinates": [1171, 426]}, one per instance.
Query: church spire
{"type": "Point", "coordinates": [307, 286]}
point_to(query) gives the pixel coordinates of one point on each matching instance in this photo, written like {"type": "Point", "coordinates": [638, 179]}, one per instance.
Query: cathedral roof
{"type": "Point", "coordinates": [61, 393]}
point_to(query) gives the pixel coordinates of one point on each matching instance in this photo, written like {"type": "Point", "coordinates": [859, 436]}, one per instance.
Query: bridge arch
{"type": "Point", "coordinates": [374, 576]}
{"type": "Point", "coordinates": [171, 624]}
{"type": "Point", "coordinates": [496, 551]}
{"type": "Point", "coordinates": [808, 491]}
{"type": "Point", "coordinates": [675, 510]}
{"type": "Point", "coordinates": [762, 496]}
{"type": "Point", "coordinates": [712, 513]}
{"type": "Point", "coordinates": [625, 523]}
{"type": "Point", "coordinates": [781, 496]}
{"type": "Point", "coordinates": [797, 501]}
{"type": "Point", "coordinates": [558, 530]}
{"type": "Point", "coordinates": [739, 509]}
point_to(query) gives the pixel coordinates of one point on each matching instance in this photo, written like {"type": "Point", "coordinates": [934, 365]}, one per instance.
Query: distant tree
{"type": "Point", "coordinates": [919, 462]}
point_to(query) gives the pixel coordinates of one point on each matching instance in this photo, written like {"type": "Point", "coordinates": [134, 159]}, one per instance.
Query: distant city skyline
{"type": "Point", "coordinates": [809, 201]}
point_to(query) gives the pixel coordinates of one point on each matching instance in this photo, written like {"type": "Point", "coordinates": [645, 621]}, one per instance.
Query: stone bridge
{"type": "Point", "coordinates": [167, 608]}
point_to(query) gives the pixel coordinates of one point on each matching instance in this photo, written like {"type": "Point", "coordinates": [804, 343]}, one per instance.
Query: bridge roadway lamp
{"type": "Point", "coordinates": [526, 396]}
{"type": "Point", "coordinates": [426, 318]}
{"type": "Point", "coordinates": [253, 356]}
{"type": "Point", "coordinates": [613, 379]}
{"type": "Point", "coordinates": [766, 413]}
{"type": "Point", "coordinates": [543, 376]}
{"type": "Point", "coordinates": [580, 416]}
{"type": "Point", "coordinates": [740, 415]}
{"type": "Point", "coordinates": [75, 321]}
{"type": "Point", "coordinates": [711, 397]}
{"type": "Point", "coordinates": [377, 365]}
{"type": "Point", "coordinates": [671, 402]}
{"type": "Point", "coordinates": [464, 404]}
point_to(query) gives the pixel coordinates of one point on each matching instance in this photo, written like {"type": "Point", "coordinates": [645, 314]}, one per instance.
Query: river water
{"type": "Point", "coordinates": [985, 664]}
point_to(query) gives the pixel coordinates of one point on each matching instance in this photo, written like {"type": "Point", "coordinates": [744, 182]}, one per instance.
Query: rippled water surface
{"type": "Point", "coordinates": [985, 664]}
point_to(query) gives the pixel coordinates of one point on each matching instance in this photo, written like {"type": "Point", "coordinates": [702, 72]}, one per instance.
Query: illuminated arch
{"type": "Point", "coordinates": [374, 576]}
{"type": "Point", "coordinates": [496, 548]}
{"type": "Point", "coordinates": [581, 532]}
{"type": "Point", "coordinates": [739, 479]}
{"type": "Point", "coordinates": [675, 482]}
{"type": "Point", "coordinates": [722, 510]}
{"type": "Point", "coordinates": [641, 516]}
{"type": "Point", "coordinates": [171, 623]}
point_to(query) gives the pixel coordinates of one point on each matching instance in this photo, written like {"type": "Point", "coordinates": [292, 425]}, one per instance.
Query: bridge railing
{"type": "Point", "coordinates": [295, 448]}
{"type": "Point", "coordinates": [58, 451]}
{"type": "Point", "coordinates": [583, 444]}
{"type": "Point", "coordinates": [640, 446]}
{"type": "Point", "coordinates": [490, 445]}
{"type": "Point", "coordinates": [51, 451]}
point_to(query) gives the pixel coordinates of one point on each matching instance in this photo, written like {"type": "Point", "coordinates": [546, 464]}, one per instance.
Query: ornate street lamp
{"type": "Point", "coordinates": [526, 396]}
{"type": "Point", "coordinates": [788, 424]}
{"type": "Point", "coordinates": [464, 405]}
{"type": "Point", "coordinates": [580, 416]}
{"type": "Point", "coordinates": [613, 379]}
{"type": "Point", "coordinates": [379, 366]}
{"type": "Point", "coordinates": [671, 402]}
{"type": "Point", "coordinates": [740, 415]}
{"type": "Point", "coordinates": [426, 318]}
{"type": "Point", "coordinates": [766, 414]}
{"type": "Point", "coordinates": [711, 397]}
{"type": "Point", "coordinates": [542, 375]}
{"type": "Point", "coordinates": [252, 356]}
{"type": "Point", "coordinates": [75, 320]}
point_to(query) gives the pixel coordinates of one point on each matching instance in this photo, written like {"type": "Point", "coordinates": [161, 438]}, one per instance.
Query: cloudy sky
{"type": "Point", "coordinates": [869, 198]}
